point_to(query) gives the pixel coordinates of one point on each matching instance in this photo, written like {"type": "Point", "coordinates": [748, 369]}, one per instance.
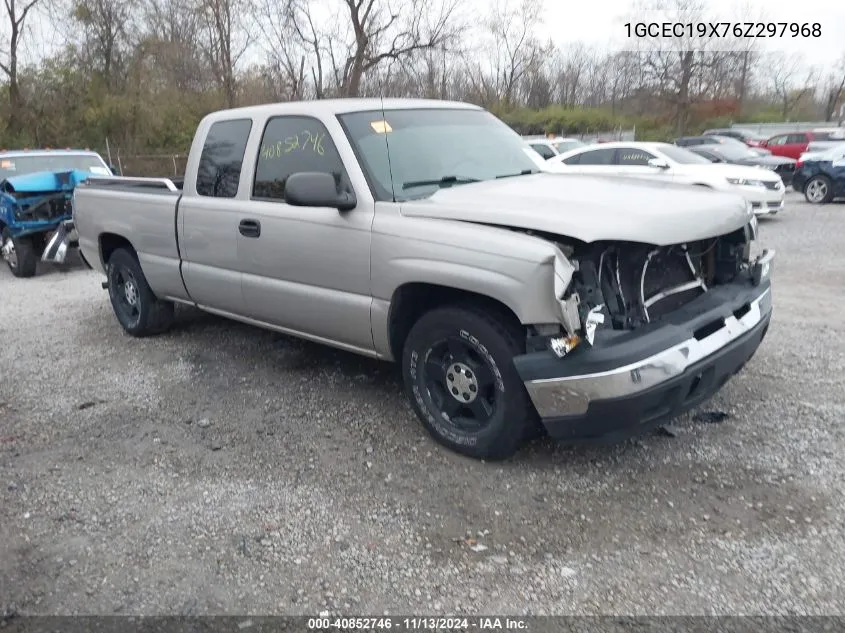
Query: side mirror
{"type": "Point", "coordinates": [114, 170]}
{"type": "Point", "coordinates": [317, 189]}
{"type": "Point", "coordinates": [658, 162]}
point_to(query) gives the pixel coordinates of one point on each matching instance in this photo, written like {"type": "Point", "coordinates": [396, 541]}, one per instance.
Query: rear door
{"type": "Point", "coordinates": [208, 219]}
{"type": "Point", "coordinates": [795, 144]}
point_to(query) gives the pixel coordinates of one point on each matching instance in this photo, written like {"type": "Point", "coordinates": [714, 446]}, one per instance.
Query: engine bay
{"type": "Point", "coordinates": [634, 284]}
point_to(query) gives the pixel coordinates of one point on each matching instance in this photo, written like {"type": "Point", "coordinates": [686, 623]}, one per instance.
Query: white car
{"type": "Point", "coordinates": [761, 187]}
{"type": "Point", "coordinates": [818, 149]}
{"type": "Point", "coordinates": [551, 147]}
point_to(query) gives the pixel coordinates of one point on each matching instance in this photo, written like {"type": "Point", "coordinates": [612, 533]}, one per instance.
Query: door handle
{"type": "Point", "coordinates": [250, 228]}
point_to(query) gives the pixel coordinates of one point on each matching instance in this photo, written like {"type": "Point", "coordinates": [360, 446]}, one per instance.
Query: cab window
{"type": "Point", "coordinates": [292, 144]}
{"type": "Point", "coordinates": [219, 170]}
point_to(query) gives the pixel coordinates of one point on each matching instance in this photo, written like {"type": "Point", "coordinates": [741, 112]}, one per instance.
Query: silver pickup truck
{"type": "Point", "coordinates": [422, 232]}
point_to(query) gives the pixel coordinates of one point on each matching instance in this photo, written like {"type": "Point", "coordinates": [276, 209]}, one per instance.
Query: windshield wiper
{"type": "Point", "coordinates": [445, 181]}
{"type": "Point", "coordinates": [524, 172]}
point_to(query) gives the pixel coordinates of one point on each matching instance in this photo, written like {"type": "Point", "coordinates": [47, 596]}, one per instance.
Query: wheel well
{"type": "Point", "coordinates": [411, 301]}
{"type": "Point", "coordinates": [110, 242]}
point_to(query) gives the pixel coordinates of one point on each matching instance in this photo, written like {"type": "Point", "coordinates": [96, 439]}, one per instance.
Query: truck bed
{"type": "Point", "coordinates": [143, 208]}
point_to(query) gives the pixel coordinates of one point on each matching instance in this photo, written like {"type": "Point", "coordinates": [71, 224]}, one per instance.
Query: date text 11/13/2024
{"type": "Point", "coordinates": [381, 623]}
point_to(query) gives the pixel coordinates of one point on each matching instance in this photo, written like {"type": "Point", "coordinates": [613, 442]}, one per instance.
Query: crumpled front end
{"type": "Point", "coordinates": [41, 204]}
{"type": "Point", "coordinates": [650, 331]}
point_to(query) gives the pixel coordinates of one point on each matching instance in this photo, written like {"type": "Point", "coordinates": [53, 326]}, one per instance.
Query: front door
{"type": "Point", "coordinates": [306, 269]}
{"type": "Point", "coordinates": [795, 145]}
{"type": "Point", "coordinates": [633, 163]}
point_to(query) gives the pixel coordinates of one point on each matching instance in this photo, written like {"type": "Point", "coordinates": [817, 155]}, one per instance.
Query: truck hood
{"type": "Point", "coordinates": [44, 181]}
{"type": "Point", "coordinates": [590, 208]}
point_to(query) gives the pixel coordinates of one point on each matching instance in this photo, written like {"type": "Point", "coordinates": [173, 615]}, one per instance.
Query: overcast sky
{"type": "Point", "coordinates": [600, 23]}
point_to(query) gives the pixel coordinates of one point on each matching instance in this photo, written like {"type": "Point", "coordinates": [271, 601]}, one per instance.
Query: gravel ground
{"type": "Point", "coordinates": [224, 469]}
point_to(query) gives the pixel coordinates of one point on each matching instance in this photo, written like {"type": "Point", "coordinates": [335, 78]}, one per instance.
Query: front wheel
{"type": "Point", "coordinates": [137, 309]}
{"type": "Point", "coordinates": [458, 369]}
{"type": "Point", "coordinates": [20, 254]}
{"type": "Point", "coordinates": [819, 190]}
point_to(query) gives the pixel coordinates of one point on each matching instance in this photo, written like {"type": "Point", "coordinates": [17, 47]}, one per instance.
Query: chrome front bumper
{"type": "Point", "coordinates": [572, 395]}
{"type": "Point", "coordinates": [659, 374]}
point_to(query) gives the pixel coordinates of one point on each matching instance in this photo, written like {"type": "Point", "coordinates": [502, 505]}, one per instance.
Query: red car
{"type": "Point", "coordinates": [793, 144]}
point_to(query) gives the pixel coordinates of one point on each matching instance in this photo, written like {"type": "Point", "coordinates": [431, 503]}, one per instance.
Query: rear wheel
{"type": "Point", "coordinates": [458, 369]}
{"type": "Point", "coordinates": [819, 190]}
{"type": "Point", "coordinates": [137, 309]}
{"type": "Point", "coordinates": [20, 254]}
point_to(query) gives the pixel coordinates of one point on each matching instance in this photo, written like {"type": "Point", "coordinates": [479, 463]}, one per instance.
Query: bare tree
{"type": "Point", "coordinates": [225, 40]}
{"type": "Point", "coordinates": [674, 68]}
{"type": "Point", "coordinates": [284, 46]}
{"type": "Point", "coordinates": [171, 29]}
{"type": "Point", "coordinates": [747, 53]}
{"type": "Point", "coordinates": [105, 42]}
{"type": "Point", "coordinates": [834, 92]}
{"type": "Point", "coordinates": [513, 49]}
{"type": "Point", "coordinates": [16, 14]}
{"type": "Point", "coordinates": [572, 69]}
{"type": "Point", "coordinates": [383, 33]}
{"type": "Point", "coordinates": [788, 79]}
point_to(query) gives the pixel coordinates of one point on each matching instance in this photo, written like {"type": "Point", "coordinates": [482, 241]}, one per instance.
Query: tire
{"type": "Point", "coordinates": [466, 349]}
{"type": "Point", "coordinates": [23, 261]}
{"type": "Point", "coordinates": [818, 190]}
{"type": "Point", "coordinates": [137, 309]}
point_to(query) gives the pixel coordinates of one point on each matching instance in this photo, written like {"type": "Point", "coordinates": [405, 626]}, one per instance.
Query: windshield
{"type": "Point", "coordinates": [410, 154]}
{"type": "Point", "coordinates": [20, 165]}
{"type": "Point", "coordinates": [682, 156]}
{"type": "Point", "coordinates": [565, 146]}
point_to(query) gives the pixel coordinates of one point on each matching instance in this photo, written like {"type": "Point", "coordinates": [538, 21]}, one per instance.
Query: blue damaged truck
{"type": "Point", "coordinates": [36, 192]}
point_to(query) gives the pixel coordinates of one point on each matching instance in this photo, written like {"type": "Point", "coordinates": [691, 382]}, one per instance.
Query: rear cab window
{"type": "Point", "coordinates": [219, 170]}
{"type": "Point", "coordinates": [292, 144]}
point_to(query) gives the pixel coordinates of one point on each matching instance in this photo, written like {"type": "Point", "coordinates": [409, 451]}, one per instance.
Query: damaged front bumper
{"type": "Point", "coordinates": [628, 381]}
{"type": "Point", "coordinates": [63, 239]}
